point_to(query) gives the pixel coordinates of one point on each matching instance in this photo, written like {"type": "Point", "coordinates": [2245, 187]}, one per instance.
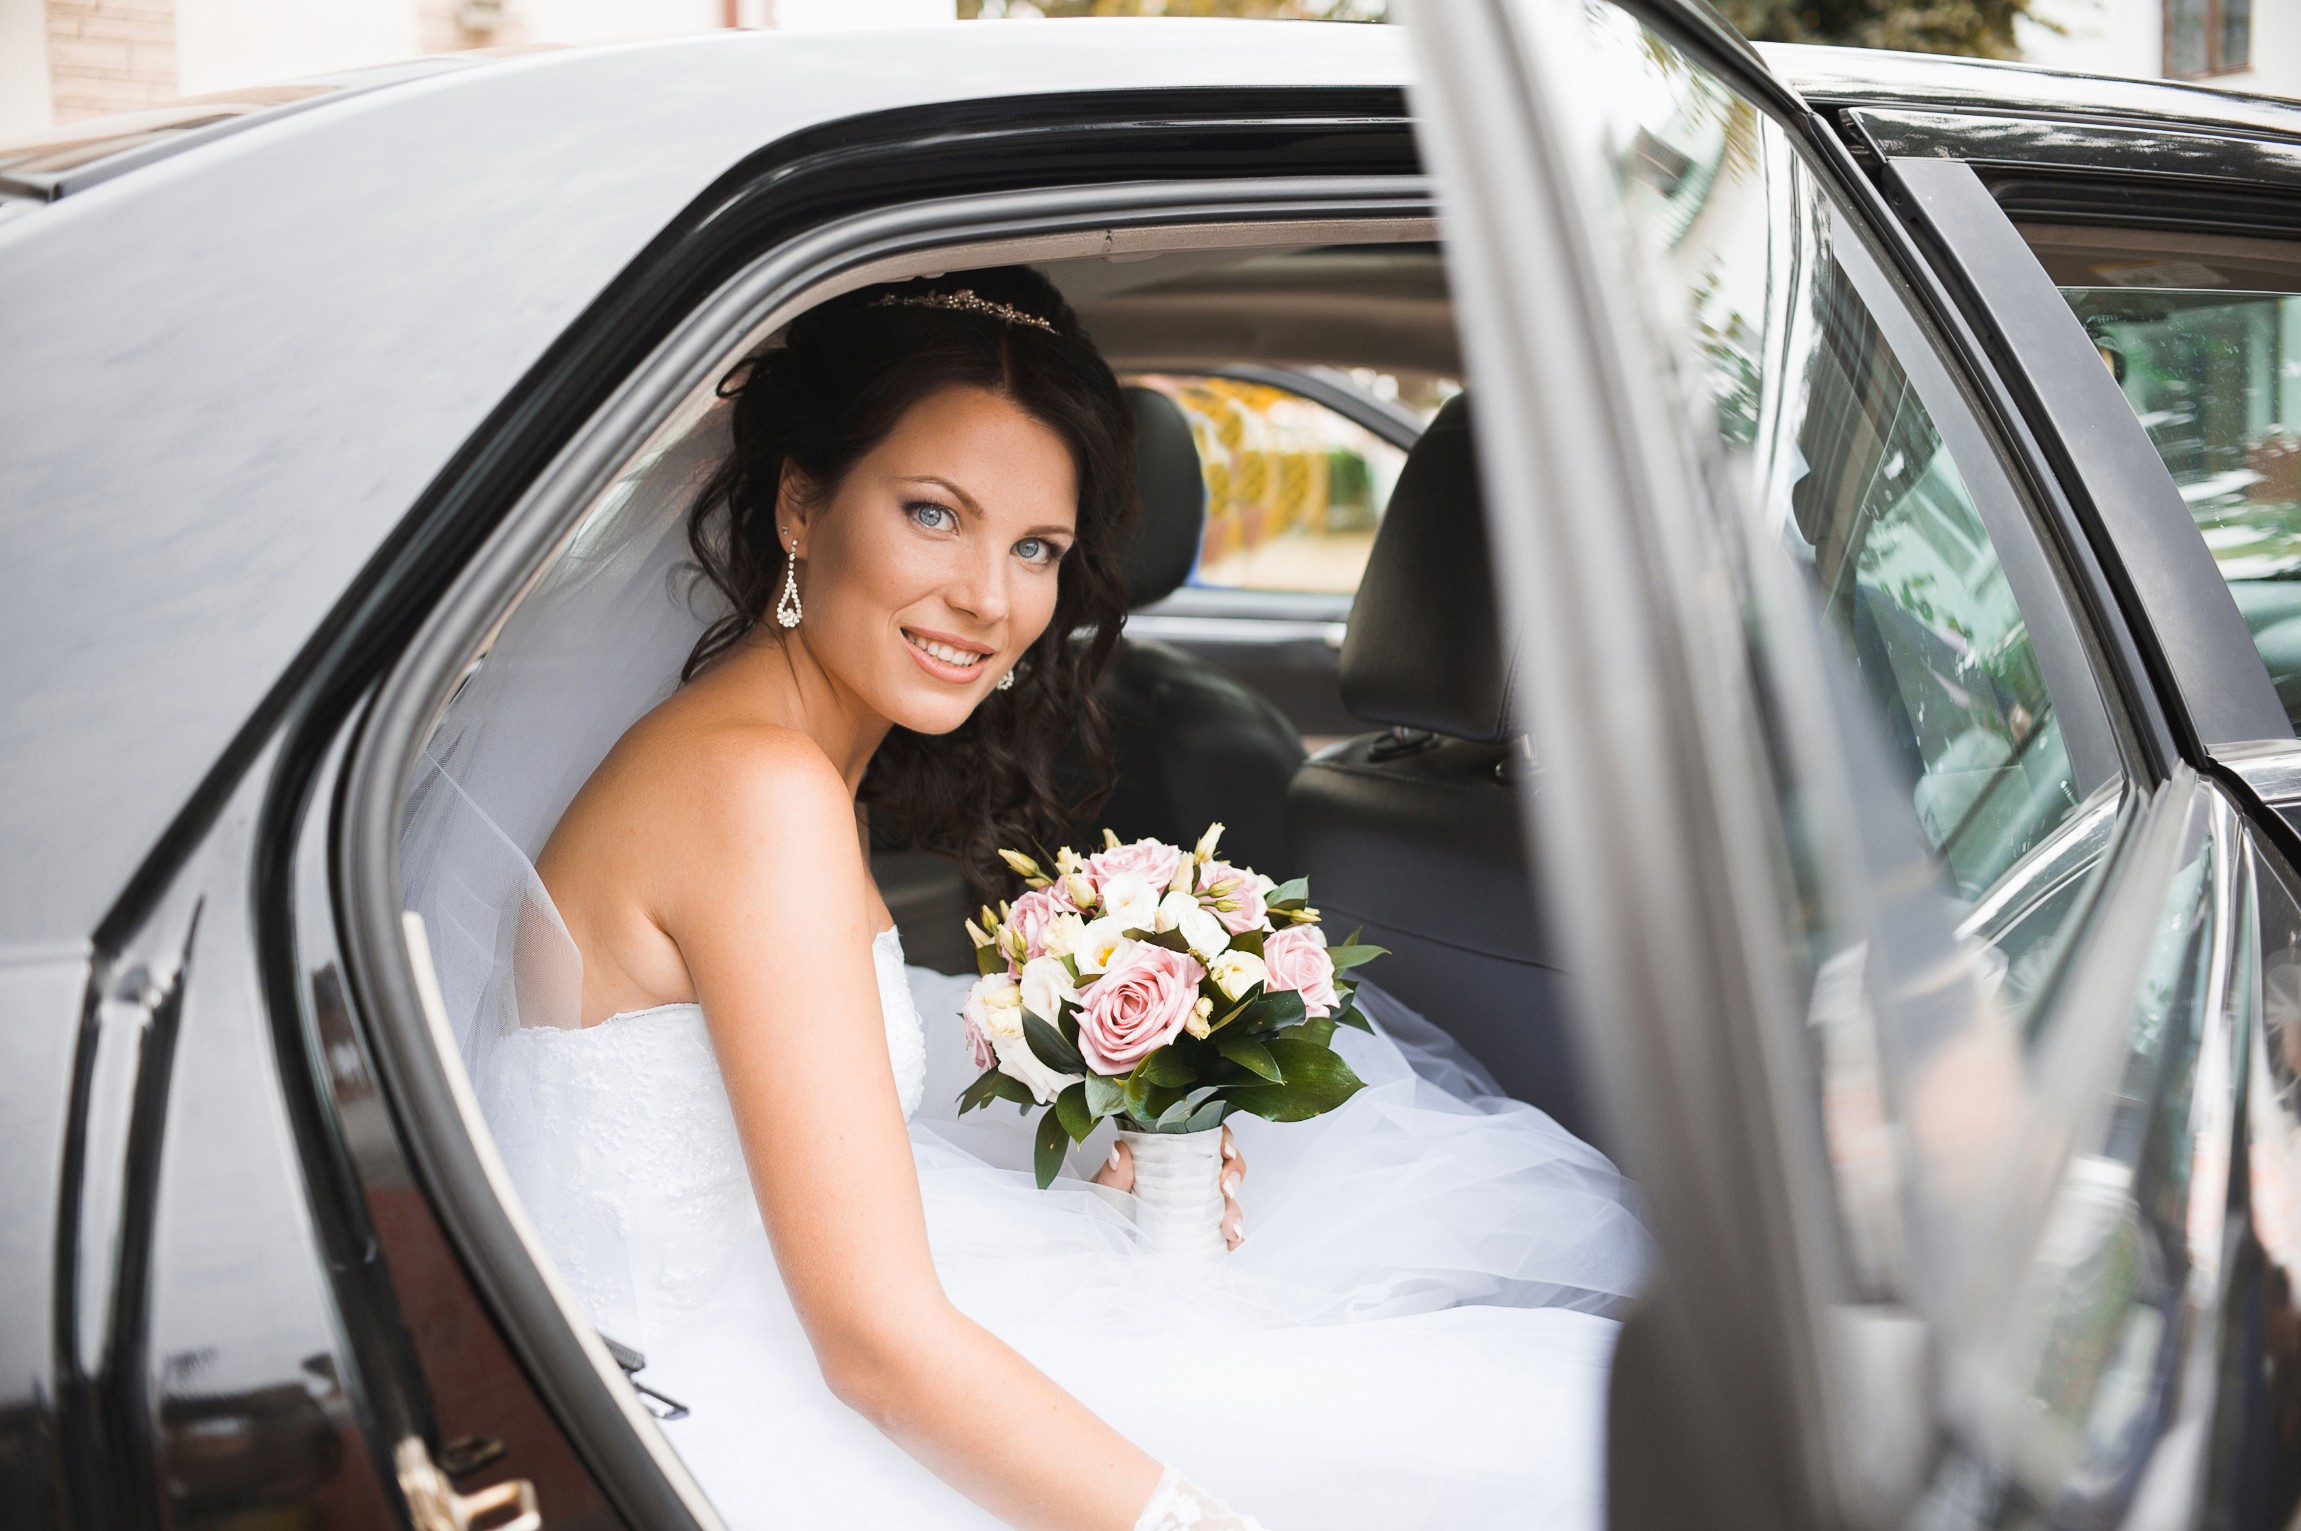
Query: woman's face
{"type": "Point", "coordinates": [933, 568]}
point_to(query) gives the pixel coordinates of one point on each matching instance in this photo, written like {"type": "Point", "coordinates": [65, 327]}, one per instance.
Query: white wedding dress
{"type": "Point", "coordinates": [1413, 1334]}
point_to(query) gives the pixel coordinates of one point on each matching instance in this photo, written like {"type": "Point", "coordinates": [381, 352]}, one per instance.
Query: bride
{"type": "Point", "coordinates": [743, 1151]}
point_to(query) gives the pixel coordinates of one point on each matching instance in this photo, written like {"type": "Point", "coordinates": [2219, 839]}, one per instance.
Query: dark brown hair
{"type": "Point", "coordinates": [842, 377]}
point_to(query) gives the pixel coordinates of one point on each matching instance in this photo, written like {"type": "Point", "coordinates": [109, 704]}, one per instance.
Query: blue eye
{"type": "Point", "coordinates": [1038, 550]}
{"type": "Point", "coordinates": [935, 518]}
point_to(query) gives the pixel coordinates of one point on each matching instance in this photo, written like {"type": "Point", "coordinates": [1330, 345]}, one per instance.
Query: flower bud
{"type": "Point", "coordinates": [1206, 843]}
{"type": "Point", "coordinates": [1021, 864]}
{"type": "Point", "coordinates": [1110, 841]}
{"type": "Point", "coordinates": [1080, 889]}
{"type": "Point", "coordinates": [1198, 1022]}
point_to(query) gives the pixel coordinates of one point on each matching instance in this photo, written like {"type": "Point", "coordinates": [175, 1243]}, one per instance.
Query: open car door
{"type": "Point", "coordinates": [1922, 985]}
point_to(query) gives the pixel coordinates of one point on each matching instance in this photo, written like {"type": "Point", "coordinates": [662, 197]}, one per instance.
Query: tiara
{"type": "Point", "coordinates": [964, 301]}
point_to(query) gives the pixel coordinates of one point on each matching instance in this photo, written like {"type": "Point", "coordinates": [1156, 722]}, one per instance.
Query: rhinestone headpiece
{"type": "Point", "coordinates": [964, 301]}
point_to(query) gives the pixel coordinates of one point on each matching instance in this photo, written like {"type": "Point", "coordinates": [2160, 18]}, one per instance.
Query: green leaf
{"type": "Point", "coordinates": [1318, 1029]}
{"type": "Point", "coordinates": [1273, 1011]}
{"type": "Point", "coordinates": [1350, 954]}
{"type": "Point", "coordinates": [1071, 1110]}
{"type": "Point", "coordinates": [1048, 1046]}
{"type": "Point", "coordinates": [1170, 1066]}
{"type": "Point", "coordinates": [1047, 1152]}
{"type": "Point", "coordinates": [1206, 1117]}
{"type": "Point", "coordinates": [1172, 1118]}
{"type": "Point", "coordinates": [1105, 1097]}
{"type": "Point", "coordinates": [1294, 892]}
{"type": "Point", "coordinates": [1172, 940]}
{"type": "Point", "coordinates": [1251, 1055]}
{"type": "Point", "coordinates": [994, 1085]}
{"type": "Point", "coordinates": [1317, 1081]}
{"type": "Point", "coordinates": [988, 961]}
{"type": "Point", "coordinates": [1351, 1015]}
{"type": "Point", "coordinates": [1235, 1011]}
{"type": "Point", "coordinates": [1247, 941]}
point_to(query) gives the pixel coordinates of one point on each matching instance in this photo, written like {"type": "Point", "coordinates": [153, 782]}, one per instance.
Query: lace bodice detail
{"type": "Point", "coordinates": [622, 1145]}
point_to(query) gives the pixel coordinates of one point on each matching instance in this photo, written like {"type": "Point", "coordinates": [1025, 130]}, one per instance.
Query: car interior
{"type": "Point", "coordinates": [1304, 663]}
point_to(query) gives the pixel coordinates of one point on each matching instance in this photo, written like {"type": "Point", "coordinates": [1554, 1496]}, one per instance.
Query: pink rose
{"type": "Point", "coordinates": [1035, 911]}
{"type": "Point", "coordinates": [1295, 958]}
{"type": "Point", "coordinates": [1137, 1007]}
{"type": "Point", "coordinates": [978, 1045]}
{"type": "Point", "coordinates": [1220, 883]}
{"type": "Point", "coordinates": [1153, 861]}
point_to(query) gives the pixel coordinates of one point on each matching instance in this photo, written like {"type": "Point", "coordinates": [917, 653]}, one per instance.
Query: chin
{"type": "Point", "coordinates": [932, 714]}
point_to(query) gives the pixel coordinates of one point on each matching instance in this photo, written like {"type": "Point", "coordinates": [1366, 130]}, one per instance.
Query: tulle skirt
{"type": "Point", "coordinates": [1415, 1334]}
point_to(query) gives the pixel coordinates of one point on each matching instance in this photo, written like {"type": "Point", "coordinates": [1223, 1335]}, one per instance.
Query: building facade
{"type": "Point", "coordinates": [2248, 45]}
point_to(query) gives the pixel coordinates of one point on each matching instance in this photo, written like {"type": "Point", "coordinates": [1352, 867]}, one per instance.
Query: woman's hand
{"type": "Point", "coordinates": [1118, 1172]}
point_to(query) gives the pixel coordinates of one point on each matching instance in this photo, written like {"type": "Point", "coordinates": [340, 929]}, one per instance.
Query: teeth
{"type": "Point", "coordinates": [944, 651]}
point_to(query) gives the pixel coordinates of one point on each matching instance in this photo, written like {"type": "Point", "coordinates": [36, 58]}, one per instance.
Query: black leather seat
{"type": "Point", "coordinates": [1416, 833]}
{"type": "Point", "coordinates": [1194, 744]}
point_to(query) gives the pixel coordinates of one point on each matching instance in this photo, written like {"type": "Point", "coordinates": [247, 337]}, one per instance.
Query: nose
{"type": "Point", "coordinates": [980, 589]}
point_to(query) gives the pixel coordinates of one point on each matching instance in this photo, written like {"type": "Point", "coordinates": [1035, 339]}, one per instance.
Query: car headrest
{"type": "Point", "coordinates": [1165, 545]}
{"type": "Point", "coordinates": [1425, 645]}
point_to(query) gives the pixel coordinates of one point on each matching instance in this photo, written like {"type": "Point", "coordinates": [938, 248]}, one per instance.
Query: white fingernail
{"type": "Point", "coordinates": [1229, 1185]}
{"type": "Point", "coordinates": [1114, 1156]}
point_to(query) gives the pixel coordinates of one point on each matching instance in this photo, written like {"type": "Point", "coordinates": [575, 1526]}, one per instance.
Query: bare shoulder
{"type": "Point", "coordinates": [731, 783]}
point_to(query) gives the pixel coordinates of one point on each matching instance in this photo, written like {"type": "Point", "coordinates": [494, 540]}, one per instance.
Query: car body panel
{"type": "Point", "coordinates": [233, 371]}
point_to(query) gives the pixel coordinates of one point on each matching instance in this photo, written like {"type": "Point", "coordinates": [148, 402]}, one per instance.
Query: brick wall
{"type": "Point", "coordinates": [110, 55]}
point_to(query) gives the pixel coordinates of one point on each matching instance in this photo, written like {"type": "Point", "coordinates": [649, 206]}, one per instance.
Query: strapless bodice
{"type": "Point", "coordinates": [622, 1145]}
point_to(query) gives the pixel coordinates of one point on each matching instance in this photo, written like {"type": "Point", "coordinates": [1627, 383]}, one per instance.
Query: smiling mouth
{"type": "Point", "coordinates": [945, 658]}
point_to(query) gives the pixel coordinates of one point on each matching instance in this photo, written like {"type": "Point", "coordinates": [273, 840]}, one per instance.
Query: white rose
{"type": "Point", "coordinates": [1235, 972]}
{"type": "Point", "coordinates": [1171, 909]}
{"type": "Point", "coordinates": [1062, 935]}
{"type": "Point", "coordinates": [1101, 943]}
{"type": "Point", "coordinates": [1203, 931]}
{"type": "Point", "coordinates": [1017, 1061]}
{"type": "Point", "coordinates": [995, 1006]}
{"type": "Point", "coordinates": [1129, 900]}
{"type": "Point", "coordinates": [1046, 984]}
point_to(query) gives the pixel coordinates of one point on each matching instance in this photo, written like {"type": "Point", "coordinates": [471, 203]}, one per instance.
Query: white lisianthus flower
{"type": "Point", "coordinates": [1101, 943]}
{"type": "Point", "coordinates": [1130, 900]}
{"type": "Point", "coordinates": [1046, 983]}
{"type": "Point", "coordinates": [1171, 909]}
{"type": "Point", "coordinates": [1235, 972]}
{"type": "Point", "coordinates": [1206, 935]}
{"type": "Point", "coordinates": [1200, 1022]}
{"type": "Point", "coordinates": [995, 1008]}
{"type": "Point", "coordinates": [1062, 935]}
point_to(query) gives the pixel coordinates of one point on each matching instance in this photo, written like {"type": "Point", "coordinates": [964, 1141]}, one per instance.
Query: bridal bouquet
{"type": "Point", "coordinates": [1158, 986]}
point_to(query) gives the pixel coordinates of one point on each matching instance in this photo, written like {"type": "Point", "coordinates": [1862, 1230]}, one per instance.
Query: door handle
{"type": "Point", "coordinates": [434, 1505]}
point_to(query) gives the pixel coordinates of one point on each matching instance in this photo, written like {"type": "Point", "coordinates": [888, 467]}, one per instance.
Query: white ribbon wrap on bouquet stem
{"type": "Point", "coordinates": [1178, 1192]}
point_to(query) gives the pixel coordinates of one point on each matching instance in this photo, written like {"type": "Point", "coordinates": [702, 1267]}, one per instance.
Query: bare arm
{"type": "Point", "coordinates": [772, 909]}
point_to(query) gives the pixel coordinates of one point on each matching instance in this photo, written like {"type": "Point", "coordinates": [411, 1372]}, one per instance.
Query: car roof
{"type": "Point", "coordinates": [233, 371]}
{"type": "Point", "coordinates": [1831, 76]}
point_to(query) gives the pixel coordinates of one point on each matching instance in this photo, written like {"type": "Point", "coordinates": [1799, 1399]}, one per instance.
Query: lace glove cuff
{"type": "Point", "coordinates": [1179, 1506]}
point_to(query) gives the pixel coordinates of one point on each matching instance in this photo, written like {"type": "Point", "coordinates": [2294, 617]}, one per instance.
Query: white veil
{"type": "Point", "coordinates": [597, 642]}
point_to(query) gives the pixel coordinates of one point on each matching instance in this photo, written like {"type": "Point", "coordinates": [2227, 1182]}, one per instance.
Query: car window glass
{"type": "Point", "coordinates": [1799, 360]}
{"type": "Point", "coordinates": [2204, 338]}
{"type": "Point", "coordinates": [1295, 489]}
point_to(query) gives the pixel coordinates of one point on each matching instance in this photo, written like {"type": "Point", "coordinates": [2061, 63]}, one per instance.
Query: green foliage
{"type": "Point", "coordinates": [1977, 28]}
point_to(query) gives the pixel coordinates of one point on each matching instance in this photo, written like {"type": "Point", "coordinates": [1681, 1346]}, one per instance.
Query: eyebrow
{"type": "Point", "coordinates": [975, 506]}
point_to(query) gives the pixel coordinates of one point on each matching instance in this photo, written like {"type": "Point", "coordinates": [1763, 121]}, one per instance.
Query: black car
{"type": "Point", "coordinates": [1864, 797]}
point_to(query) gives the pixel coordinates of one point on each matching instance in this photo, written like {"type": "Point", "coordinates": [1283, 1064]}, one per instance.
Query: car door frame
{"type": "Point", "coordinates": [1724, 1385]}
{"type": "Point", "coordinates": [478, 535]}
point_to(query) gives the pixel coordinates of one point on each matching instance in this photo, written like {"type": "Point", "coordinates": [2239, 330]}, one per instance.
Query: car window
{"type": "Point", "coordinates": [1295, 489]}
{"type": "Point", "coordinates": [2204, 337]}
{"type": "Point", "coordinates": [1867, 466]}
